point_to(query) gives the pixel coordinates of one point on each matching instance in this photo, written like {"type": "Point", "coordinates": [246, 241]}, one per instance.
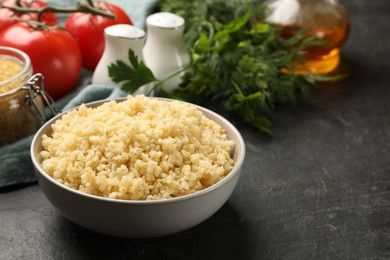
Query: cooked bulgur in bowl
{"type": "Point", "coordinates": [147, 166]}
{"type": "Point", "coordinates": [138, 149]}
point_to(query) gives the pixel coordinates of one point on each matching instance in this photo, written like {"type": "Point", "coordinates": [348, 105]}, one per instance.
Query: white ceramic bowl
{"type": "Point", "coordinates": [136, 219]}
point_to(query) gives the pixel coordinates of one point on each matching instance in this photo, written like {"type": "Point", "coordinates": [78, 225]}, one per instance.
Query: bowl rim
{"type": "Point", "coordinates": [235, 170]}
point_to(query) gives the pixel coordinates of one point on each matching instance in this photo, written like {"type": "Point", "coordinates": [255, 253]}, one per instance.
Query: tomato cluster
{"type": "Point", "coordinates": [57, 53]}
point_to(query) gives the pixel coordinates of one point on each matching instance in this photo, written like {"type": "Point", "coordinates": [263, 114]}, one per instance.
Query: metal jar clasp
{"type": "Point", "coordinates": [36, 95]}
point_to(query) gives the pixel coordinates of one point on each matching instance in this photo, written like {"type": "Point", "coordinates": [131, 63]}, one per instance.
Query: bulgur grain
{"type": "Point", "coordinates": [9, 67]}
{"type": "Point", "coordinates": [138, 149]}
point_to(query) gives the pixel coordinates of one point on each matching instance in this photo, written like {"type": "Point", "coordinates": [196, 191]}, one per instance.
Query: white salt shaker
{"type": "Point", "coordinates": [119, 39]}
{"type": "Point", "coordinates": [164, 50]}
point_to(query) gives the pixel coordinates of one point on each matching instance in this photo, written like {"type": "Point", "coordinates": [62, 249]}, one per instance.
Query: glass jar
{"type": "Point", "coordinates": [21, 102]}
{"type": "Point", "coordinates": [321, 19]}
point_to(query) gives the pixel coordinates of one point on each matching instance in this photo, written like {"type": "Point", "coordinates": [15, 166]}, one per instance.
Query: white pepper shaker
{"type": "Point", "coordinates": [119, 39]}
{"type": "Point", "coordinates": [164, 50]}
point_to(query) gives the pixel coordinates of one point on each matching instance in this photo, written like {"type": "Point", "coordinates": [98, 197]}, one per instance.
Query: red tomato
{"type": "Point", "coordinates": [53, 52]}
{"type": "Point", "coordinates": [89, 29]}
{"type": "Point", "coordinates": [8, 17]}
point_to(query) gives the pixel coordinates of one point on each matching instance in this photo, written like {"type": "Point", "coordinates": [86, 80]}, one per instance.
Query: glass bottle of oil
{"type": "Point", "coordinates": [321, 19]}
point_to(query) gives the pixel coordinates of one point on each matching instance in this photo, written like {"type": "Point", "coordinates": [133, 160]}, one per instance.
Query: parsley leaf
{"type": "Point", "coordinates": [132, 77]}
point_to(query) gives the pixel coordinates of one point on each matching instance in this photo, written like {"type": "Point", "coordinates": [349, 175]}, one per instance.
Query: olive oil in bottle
{"type": "Point", "coordinates": [324, 20]}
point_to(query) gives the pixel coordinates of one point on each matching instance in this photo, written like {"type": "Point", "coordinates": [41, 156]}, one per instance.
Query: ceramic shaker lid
{"type": "Point", "coordinates": [124, 31]}
{"type": "Point", "coordinates": [165, 20]}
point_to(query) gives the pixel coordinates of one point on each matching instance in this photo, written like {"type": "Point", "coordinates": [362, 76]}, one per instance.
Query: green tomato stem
{"type": "Point", "coordinates": [82, 6]}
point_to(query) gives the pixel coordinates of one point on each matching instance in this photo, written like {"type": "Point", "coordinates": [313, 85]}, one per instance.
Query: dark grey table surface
{"type": "Point", "coordinates": [318, 189]}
